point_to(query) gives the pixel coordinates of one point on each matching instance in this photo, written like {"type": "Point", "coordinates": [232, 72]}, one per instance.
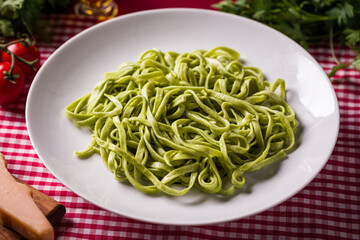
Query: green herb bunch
{"type": "Point", "coordinates": [307, 22]}
{"type": "Point", "coordinates": [18, 17]}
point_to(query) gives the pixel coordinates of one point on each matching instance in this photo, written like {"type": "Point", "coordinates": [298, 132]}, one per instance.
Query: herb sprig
{"type": "Point", "coordinates": [18, 17]}
{"type": "Point", "coordinates": [307, 22]}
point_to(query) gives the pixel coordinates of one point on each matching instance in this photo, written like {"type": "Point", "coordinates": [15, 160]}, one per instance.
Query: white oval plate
{"type": "Point", "coordinates": [79, 64]}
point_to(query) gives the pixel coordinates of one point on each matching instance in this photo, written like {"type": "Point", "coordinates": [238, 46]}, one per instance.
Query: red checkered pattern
{"type": "Point", "coordinates": [328, 208]}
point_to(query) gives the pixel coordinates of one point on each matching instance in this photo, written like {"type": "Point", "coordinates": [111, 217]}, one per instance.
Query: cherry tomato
{"type": "Point", "coordinates": [28, 53]}
{"type": "Point", "coordinates": [9, 91]}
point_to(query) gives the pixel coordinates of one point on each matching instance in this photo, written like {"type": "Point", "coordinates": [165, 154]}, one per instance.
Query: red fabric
{"type": "Point", "coordinates": [128, 6]}
{"type": "Point", "coordinates": [328, 208]}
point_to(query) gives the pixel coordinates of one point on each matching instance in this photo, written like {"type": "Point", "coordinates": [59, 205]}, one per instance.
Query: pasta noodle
{"type": "Point", "coordinates": [170, 122]}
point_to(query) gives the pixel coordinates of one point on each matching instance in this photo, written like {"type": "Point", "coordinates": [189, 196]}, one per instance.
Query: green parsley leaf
{"type": "Point", "coordinates": [19, 17]}
{"type": "Point", "coordinates": [306, 21]}
{"type": "Point", "coordinates": [6, 28]}
{"type": "Point", "coordinates": [356, 64]}
{"type": "Point", "coordinates": [352, 36]}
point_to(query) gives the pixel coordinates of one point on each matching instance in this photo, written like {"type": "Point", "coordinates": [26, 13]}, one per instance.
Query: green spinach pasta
{"type": "Point", "coordinates": [170, 122]}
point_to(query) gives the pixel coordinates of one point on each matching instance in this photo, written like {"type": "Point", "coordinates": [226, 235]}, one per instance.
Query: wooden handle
{"type": "Point", "coordinates": [8, 234]}
{"type": "Point", "coordinates": [52, 209]}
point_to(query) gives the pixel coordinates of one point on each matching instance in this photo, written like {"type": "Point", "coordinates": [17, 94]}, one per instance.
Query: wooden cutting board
{"type": "Point", "coordinates": [52, 209]}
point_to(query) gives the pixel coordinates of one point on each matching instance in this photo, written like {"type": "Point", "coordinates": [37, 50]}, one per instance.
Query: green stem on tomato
{"type": "Point", "coordinates": [4, 48]}
{"type": "Point", "coordinates": [10, 76]}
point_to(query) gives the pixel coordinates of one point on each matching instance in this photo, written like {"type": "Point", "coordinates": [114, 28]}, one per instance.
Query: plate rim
{"type": "Point", "coordinates": [178, 10]}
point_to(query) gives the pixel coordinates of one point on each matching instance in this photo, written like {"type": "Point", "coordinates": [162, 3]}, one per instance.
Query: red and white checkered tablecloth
{"type": "Point", "coordinates": [328, 208]}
